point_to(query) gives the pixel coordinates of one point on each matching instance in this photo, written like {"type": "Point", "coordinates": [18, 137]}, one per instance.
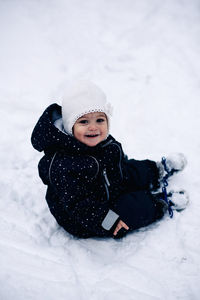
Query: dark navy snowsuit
{"type": "Point", "coordinates": [85, 183]}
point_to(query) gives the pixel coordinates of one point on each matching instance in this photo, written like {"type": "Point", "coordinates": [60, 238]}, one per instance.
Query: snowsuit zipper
{"type": "Point", "coordinates": [120, 160]}
{"type": "Point", "coordinates": [97, 165]}
{"type": "Point", "coordinates": [106, 183]}
{"type": "Point", "coordinates": [106, 177]}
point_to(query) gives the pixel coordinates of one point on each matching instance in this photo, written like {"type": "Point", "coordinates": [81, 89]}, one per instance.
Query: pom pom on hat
{"type": "Point", "coordinates": [81, 98]}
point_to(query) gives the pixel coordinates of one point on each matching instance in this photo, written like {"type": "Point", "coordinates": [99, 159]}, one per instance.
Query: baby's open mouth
{"type": "Point", "coordinates": [91, 135]}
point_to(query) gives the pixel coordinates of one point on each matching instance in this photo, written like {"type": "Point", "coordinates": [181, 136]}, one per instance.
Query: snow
{"type": "Point", "coordinates": [145, 56]}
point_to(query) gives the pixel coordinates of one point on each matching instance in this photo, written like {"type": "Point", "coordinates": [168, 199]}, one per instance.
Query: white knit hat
{"type": "Point", "coordinates": [81, 98]}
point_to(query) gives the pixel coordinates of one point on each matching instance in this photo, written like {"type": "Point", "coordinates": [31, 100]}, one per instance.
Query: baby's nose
{"type": "Point", "coordinates": [92, 126]}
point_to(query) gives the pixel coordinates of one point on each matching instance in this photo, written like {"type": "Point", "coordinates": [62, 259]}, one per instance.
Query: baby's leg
{"type": "Point", "coordinates": [139, 209]}
{"type": "Point", "coordinates": [141, 175]}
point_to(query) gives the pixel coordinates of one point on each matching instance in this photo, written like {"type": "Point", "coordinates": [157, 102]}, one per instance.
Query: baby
{"type": "Point", "coordinates": [93, 189]}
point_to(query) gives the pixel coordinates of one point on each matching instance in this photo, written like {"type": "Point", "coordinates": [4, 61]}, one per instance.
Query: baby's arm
{"type": "Point", "coordinates": [72, 199]}
{"type": "Point", "coordinates": [84, 210]}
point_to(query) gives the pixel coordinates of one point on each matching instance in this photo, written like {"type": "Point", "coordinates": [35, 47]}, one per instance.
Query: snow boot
{"type": "Point", "coordinates": [173, 163]}
{"type": "Point", "coordinates": [178, 200]}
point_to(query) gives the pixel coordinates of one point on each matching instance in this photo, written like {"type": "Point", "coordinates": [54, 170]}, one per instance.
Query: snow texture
{"type": "Point", "coordinates": [145, 55]}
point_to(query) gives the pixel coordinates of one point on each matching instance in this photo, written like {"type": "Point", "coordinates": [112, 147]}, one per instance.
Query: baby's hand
{"type": "Point", "coordinates": [119, 226]}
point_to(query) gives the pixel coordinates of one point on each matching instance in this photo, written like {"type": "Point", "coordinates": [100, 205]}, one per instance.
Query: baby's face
{"type": "Point", "coordinates": [91, 129]}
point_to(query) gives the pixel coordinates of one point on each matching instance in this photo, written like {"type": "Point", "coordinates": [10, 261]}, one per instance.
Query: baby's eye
{"type": "Point", "coordinates": [100, 120]}
{"type": "Point", "coordinates": [83, 121]}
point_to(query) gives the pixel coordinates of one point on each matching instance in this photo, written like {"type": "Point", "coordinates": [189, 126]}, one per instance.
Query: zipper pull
{"type": "Point", "coordinates": [106, 177]}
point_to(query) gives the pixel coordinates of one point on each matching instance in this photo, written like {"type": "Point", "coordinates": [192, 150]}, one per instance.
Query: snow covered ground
{"type": "Point", "coordinates": [145, 54]}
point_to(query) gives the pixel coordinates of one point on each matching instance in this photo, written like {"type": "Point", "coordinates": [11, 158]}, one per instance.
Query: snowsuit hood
{"type": "Point", "coordinates": [48, 138]}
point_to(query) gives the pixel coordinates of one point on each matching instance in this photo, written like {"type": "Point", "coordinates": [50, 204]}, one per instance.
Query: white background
{"type": "Point", "coordinates": [145, 54]}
